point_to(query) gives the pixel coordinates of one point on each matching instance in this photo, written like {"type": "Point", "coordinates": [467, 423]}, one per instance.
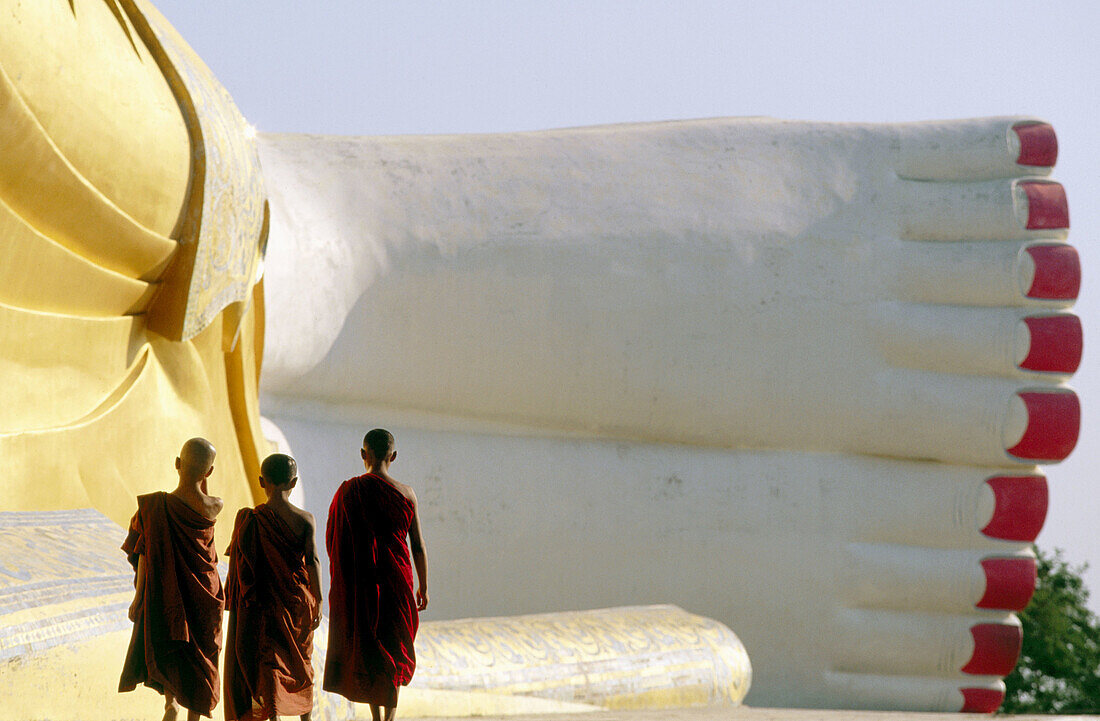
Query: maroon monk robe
{"type": "Point", "coordinates": [177, 633]}
{"type": "Point", "coordinates": [269, 641]}
{"type": "Point", "coordinates": [372, 611]}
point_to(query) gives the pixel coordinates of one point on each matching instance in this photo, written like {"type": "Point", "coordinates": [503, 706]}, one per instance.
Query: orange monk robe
{"type": "Point", "coordinates": [177, 633]}
{"type": "Point", "coordinates": [271, 608]}
{"type": "Point", "coordinates": [372, 610]}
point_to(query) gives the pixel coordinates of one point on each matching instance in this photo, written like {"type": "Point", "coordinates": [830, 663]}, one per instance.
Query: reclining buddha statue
{"type": "Point", "coordinates": [794, 376]}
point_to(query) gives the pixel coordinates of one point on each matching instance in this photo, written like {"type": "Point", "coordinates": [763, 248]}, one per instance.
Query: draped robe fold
{"type": "Point", "coordinates": [177, 633]}
{"type": "Point", "coordinates": [269, 641]}
{"type": "Point", "coordinates": [373, 617]}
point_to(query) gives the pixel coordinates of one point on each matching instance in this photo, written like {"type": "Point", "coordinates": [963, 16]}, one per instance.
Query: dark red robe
{"type": "Point", "coordinates": [177, 633]}
{"type": "Point", "coordinates": [372, 610]}
{"type": "Point", "coordinates": [269, 641]}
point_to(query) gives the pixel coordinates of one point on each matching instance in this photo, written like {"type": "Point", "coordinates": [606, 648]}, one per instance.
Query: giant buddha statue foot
{"type": "Point", "coordinates": [796, 376]}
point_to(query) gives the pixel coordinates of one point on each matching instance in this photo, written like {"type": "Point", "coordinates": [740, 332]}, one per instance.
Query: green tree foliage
{"type": "Point", "coordinates": [1059, 667]}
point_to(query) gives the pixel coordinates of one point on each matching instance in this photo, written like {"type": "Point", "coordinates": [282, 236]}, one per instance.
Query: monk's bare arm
{"type": "Point", "coordinates": [419, 557]}
{"type": "Point", "coordinates": [313, 563]}
{"type": "Point", "coordinates": [139, 588]}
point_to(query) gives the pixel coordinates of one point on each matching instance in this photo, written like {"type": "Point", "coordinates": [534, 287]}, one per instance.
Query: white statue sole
{"type": "Point", "coordinates": [764, 370]}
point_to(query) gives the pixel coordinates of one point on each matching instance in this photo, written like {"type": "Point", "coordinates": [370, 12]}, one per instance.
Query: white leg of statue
{"type": "Point", "coordinates": [792, 376]}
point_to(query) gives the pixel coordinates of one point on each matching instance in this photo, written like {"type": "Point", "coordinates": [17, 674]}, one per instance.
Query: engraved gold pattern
{"type": "Point", "coordinates": [227, 201]}
{"type": "Point", "coordinates": [634, 657]}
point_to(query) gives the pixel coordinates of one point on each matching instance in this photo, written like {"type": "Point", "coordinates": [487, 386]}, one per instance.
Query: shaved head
{"type": "Point", "coordinates": [379, 442]}
{"type": "Point", "coordinates": [196, 458]}
{"type": "Point", "coordinates": [279, 469]}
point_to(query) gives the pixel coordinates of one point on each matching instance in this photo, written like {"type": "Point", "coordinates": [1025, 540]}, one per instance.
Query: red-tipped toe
{"type": "Point", "coordinates": [1053, 422]}
{"type": "Point", "coordinates": [1019, 507]}
{"type": "Point", "coordinates": [996, 648]}
{"type": "Point", "coordinates": [1057, 272]}
{"type": "Point", "coordinates": [1038, 144]}
{"type": "Point", "coordinates": [1009, 583]}
{"type": "Point", "coordinates": [981, 700]}
{"type": "Point", "coordinates": [1056, 342]}
{"type": "Point", "coordinates": [1047, 207]}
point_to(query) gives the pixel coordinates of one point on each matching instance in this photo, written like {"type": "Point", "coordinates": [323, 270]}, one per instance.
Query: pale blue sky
{"type": "Point", "coordinates": [443, 66]}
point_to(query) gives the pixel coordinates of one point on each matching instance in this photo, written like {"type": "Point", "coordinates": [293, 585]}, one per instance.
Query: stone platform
{"type": "Point", "coordinates": [745, 713]}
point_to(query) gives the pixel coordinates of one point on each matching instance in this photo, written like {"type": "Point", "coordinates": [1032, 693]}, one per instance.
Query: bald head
{"type": "Point", "coordinates": [196, 459]}
{"type": "Point", "coordinates": [379, 442]}
{"type": "Point", "coordinates": [279, 469]}
{"type": "Point", "coordinates": [378, 449]}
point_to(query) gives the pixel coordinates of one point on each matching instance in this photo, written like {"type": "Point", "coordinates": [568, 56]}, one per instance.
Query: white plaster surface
{"type": "Point", "coordinates": [720, 283]}
{"type": "Point", "coordinates": [758, 369]}
{"type": "Point", "coordinates": [819, 562]}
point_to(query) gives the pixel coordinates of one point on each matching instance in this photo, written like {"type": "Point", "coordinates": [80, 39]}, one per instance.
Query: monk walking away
{"type": "Point", "coordinates": [177, 608]}
{"type": "Point", "coordinates": [273, 593]}
{"type": "Point", "coordinates": [373, 611]}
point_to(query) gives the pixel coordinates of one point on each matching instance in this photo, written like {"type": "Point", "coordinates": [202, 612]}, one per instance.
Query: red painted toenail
{"type": "Point", "coordinates": [1047, 208]}
{"type": "Point", "coordinates": [996, 648]}
{"type": "Point", "coordinates": [1056, 342]}
{"type": "Point", "coordinates": [981, 700]}
{"type": "Point", "coordinates": [1019, 507]}
{"type": "Point", "coordinates": [1009, 583]}
{"type": "Point", "coordinates": [1038, 144]}
{"type": "Point", "coordinates": [1053, 422]}
{"type": "Point", "coordinates": [1057, 272]}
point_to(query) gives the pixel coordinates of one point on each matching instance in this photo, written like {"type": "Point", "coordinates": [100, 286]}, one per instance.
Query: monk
{"type": "Point", "coordinates": [273, 593]}
{"type": "Point", "coordinates": [177, 608]}
{"type": "Point", "coordinates": [373, 612]}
